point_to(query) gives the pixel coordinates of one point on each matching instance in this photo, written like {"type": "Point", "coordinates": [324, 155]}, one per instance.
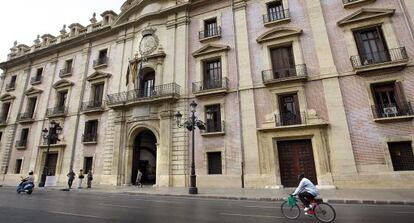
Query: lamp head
{"type": "Point", "coordinates": [58, 129]}
{"type": "Point", "coordinates": [44, 132]}
{"type": "Point", "coordinates": [178, 117]}
{"type": "Point", "coordinates": [209, 114]}
{"type": "Point", "coordinates": [193, 106]}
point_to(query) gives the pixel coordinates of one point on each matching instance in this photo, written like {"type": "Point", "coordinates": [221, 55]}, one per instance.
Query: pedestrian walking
{"type": "Point", "coordinates": [90, 178]}
{"type": "Point", "coordinates": [71, 177]}
{"type": "Point", "coordinates": [138, 180]}
{"type": "Point", "coordinates": [80, 178]}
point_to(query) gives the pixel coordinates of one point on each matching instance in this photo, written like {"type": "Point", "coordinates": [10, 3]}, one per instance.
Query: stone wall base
{"type": "Point", "coordinates": [380, 180]}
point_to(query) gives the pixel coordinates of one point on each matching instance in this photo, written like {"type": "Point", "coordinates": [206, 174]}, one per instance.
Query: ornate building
{"type": "Point", "coordinates": [284, 86]}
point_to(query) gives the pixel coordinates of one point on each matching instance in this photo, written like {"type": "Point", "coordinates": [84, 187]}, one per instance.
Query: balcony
{"type": "Point", "coordinates": [386, 59]}
{"type": "Point", "coordinates": [299, 72]}
{"type": "Point", "coordinates": [351, 3]}
{"type": "Point", "coordinates": [100, 62]}
{"type": "Point", "coordinates": [90, 138]}
{"type": "Point", "coordinates": [210, 33]}
{"type": "Point", "coordinates": [219, 86]}
{"type": "Point", "coordinates": [166, 92]}
{"type": "Point", "coordinates": [10, 86]}
{"type": "Point", "coordinates": [3, 120]}
{"type": "Point", "coordinates": [92, 106]}
{"type": "Point", "coordinates": [392, 112]}
{"type": "Point", "coordinates": [25, 117]}
{"type": "Point", "coordinates": [65, 72]}
{"type": "Point", "coordinates": [21, 144]}
{"type": "Point", "coordinates": [289, 119]}
{"type": "Point", "coordinates": [276, 17]}
{"type": "Point", "coordinates": [36, 80]}
{"type": "Point", "coordinates": [59, 111]}
{"type": "Point", "coordinates": [214, 130]}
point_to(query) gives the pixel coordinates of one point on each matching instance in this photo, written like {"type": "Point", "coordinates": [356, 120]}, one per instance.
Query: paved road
{"type": "Point", "coordinates": [86, 207]}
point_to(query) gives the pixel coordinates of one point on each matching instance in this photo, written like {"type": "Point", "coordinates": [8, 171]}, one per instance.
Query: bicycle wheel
{"type": "Point", "coordinates": [324, 212]}
{"type": "Point", "coordinates": [290, 212]}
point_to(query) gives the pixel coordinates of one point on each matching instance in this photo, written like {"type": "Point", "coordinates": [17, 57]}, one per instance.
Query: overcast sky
{"type": "Point", "coordinates": [23, 20]}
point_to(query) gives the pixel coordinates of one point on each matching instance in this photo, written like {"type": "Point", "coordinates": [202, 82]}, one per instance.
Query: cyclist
{"type": "Point", "coordinates": [306, 192]}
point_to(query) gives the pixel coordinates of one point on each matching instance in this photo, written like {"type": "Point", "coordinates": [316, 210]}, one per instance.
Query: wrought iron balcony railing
{"type": "Point", "coordinates": [275, 16]}
{"type": "Point", "coordinates": [136, 95]}
{"type": "Point", "coordinates": [210, 85]}
{"type": "Point", "coordinates": [284, 73]}
{"type": "Point", "coordinates": [212, 32]}
{"type": "Point", "coordinates": [57, 111]}
{"type": "Point", "coordinates": [90, 137]}
{"type": "Point", "coordinates": [25, 116]}
{"type": "Point", "coordinates": [92, 105]}
{"type": "Point", "coordinates": [67, 71]}
{"type": "Point", "coordinates": [286, 119]}
{"type": "Point", "coordinates": [21, 143]}
{"type": "Point", "coordinates": [11, 86]}
{"type": "Point", "coordinates": [218, 127]}
{"type": "Point", "coordinates": [100, 62]}
{"type": "Point", "coordinates": [379, 57]}
{"type": "Point", "coordinates": [392, 110]}
{"type": "Point", "coordinates": [36, 80]}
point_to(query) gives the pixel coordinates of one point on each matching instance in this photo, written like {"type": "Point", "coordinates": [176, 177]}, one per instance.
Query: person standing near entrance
{"type": "Point", "coordinates": [80, 178]}
{"type": "Point", "coordinates": [90, 178]}
{"type": "Point", "coordinates": [138, 180]}
{"type": "Point", "coordinates": [71, 177]}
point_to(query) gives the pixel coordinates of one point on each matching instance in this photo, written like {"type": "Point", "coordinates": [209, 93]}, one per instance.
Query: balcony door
{"type": "Point", "coordinates": [212, 74]}
{"type": "Point", "coordinates": [371, 46]}
{"type": "Point", "coordinates": [98, 94]}
{"type": "Point", "coordinates": [62, 96]}
{"type": "Point", "coordinates": [289, 109]}
{"type": "Point", "coordinates": [210, 28]}
{"type": "Point", "coordinates": [147, 84]}
{"type": "Point", "coordinates": [31, 105]}
{"type": "Point", "coordinates": [5, 111]}
{"type": "Point", "coordinates": [389, 99]}
{"type": "Point", "coordinates": [283, 62]}
{"type": "Point", "coordinates": [275, 11]}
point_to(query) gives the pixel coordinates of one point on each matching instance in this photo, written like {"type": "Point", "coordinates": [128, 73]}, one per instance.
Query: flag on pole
{"type": "Point", "coordinates": [127, 73]}
{"type": "Point", "coordinates": [134, 71]}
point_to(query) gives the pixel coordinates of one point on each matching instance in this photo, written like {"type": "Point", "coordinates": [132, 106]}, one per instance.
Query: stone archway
{"type": "Point", "coordinates": [144, 157]}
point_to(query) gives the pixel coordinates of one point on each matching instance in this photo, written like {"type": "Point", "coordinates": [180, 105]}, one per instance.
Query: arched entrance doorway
{"type": "Point", "coordinates": [144, 157]}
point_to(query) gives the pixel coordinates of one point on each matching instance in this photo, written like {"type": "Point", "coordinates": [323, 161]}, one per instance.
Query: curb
{"type": "Point", "coordinates": [331, 201]}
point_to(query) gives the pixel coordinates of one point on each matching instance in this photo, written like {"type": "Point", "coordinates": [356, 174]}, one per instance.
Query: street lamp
{"type": "Point", "coordinates": [49, 135]}
{"type": "Point", "coordinates": [191, 125]}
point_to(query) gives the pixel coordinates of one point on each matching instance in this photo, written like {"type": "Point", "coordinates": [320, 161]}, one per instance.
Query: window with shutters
{"type": "Point", "coordinates": [23, 138]}
{"type": "Point", "coordinates": [212, 74]}
{"type": "Point", "coordinates": [31, 106]}
{"type": "Point", "coordinates": [211, 29]}
{"type": "Point", "coordinates": [91, 131]}
{"type": "Point", "coordinates": [402, 156]}
{"type": "Point", "coordinates": [275, 11]}
{"type": "Point", "coordinates": [372, 47]}
{"type": "Point", "coordinates": [214, 123]}
{"type": "Point", "coordinates": [18, 166]}
{"type": "Point", "coordinates": [98, 93]}
{"type": "Point", "coordinates": [62, 96]}
{"type": "Point", "coordinates": [4, 112]}
{"type": "Point", "coordinates": [389, 100]}
{"type": "Point", "coordinates": [289, 110]}
{"type": "Point", "coordinates": [283, 62]}
{"type": "Point", "coordinates": [214, 163]}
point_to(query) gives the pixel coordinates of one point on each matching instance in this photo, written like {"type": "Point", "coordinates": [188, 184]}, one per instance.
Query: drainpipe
{"type": "Point", "coordinates": [239, 101]}
{"type": "Point", "coordinates": [75, 137]}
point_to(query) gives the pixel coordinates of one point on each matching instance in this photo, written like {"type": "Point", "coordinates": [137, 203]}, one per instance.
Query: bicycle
{"type": "Point", "coordinates": [322, 211]}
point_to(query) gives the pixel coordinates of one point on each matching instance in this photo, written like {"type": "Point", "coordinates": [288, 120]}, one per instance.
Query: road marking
{"type": "Point", "coordinates": [248, 215]}
{"type": "Point", "coordinates": [261, 207]}
{"type": "Point", "coordinates": [119, 206]}
{"type": "Point", "coordinates": [76, 215]}
{"type": "Point", "coordinates": [157, 201]}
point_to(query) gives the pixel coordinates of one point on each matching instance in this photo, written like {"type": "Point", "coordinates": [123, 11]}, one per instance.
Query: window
{"type": "Point", "coordinates": [62, 96]}
{"type": "Point", "coordinates": [91, 131]}
{"type": "Point", "coordinates": [97, 93]}
{"type": "Point", "coordinates": [39, 74]}
{"type": "Point", "coordinates": [1, 135]}
{"type": "Point", "coordinates": [18, 166]}
{"type": "Point", "coordinates": [389, 100]}
{"type": "Point", "coordinates": [402, 156]}
{"type": "Point", "coordinates": [289, 110]}
{"type": "Point", "coordinates": [23, 136]}
{"type": "Point", "coordinates": [31, 106]}
{"type": "Point", "coordinates": [12, 83]}
{"type": "Point", "coordinates": [371, 46]}
{"type": "Point", "coordinates": [283, 62]}
{"type": "Point", "coordinates": [210, 28]}
{"type": "Point", "coordinates": [214, 163]}
{"type": "Point", "coordinates": [4, 111]}
{"type": "Point", "coordinates": [212, 74]}
{"type": "Point", "coordinates": [103, 54]}
{"type": "Point", "coordinates": [275, 11]}
{"type": "Point", "coordinates": [147, 84]}
{"type": "Point", "coordinates": [214, 124]}
{"type": "Point", "coordinates": [102, 58]}
{"type": "Point", "coordinates": [68, 66]}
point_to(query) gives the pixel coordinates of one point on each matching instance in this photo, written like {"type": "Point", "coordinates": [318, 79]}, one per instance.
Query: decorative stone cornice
{"type": "Point", "coordinates": [210, 48]}
{"type": "Point", "coordinates": [33, 91]}
{"type": "Point", "coordinates": [62, 84]}
{"type": "Point", "coordinates": [98, 75]}
{"type": "Point", "coordinates": [278, 33]}
{"type": "Point", "coordinates": [239, 5]}
{"type": "Point", "coordinates": [365, 14]}
{"type": "Point", "coordinates": [7, 97]}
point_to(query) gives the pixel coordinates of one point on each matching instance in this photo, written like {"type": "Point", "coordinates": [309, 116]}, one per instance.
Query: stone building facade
{"type": "Point", "coordinates": [283, 86]}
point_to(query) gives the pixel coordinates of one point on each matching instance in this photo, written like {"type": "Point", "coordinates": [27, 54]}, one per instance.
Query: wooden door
{"type": "Point", "coordinates": [296, 157]}
{"type": "Point", "coordinates": [51, 164]}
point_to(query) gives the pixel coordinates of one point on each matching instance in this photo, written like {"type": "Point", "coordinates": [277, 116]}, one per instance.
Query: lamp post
{"type": "Point", "coordinates": [49, 135]}
{"type": "Point", "coordinates": [191, 125]}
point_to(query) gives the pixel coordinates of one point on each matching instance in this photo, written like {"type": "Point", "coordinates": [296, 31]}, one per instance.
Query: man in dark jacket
{"type": "Point", "coordinates": [71, 177]}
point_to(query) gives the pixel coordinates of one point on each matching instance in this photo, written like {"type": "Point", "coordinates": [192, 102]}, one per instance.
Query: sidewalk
{"type": "Point", "coordinates": [344, 196]}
